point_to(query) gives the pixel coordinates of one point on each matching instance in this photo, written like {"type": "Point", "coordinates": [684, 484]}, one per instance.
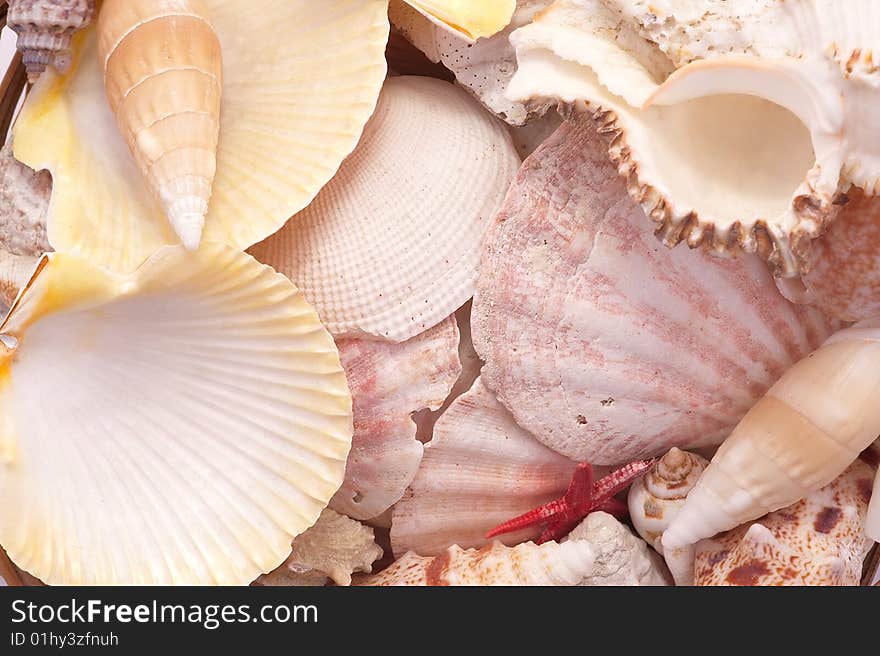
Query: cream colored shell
{"type": "Point", "coordinates": [466, 18]}
{"type": "Point", "coordinates": [392, 245]}
{"type": "Point", "coordinates": [44, 30]}
{"type": "Point", "coordinates": [24, 201]}
{"type": "Point", "coordinates": [178, 425]}
{"type": "Point", "coordinates": [287, 121]}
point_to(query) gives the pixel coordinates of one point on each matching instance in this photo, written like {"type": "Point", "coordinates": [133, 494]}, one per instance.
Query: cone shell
{"type": "Point", "coordinates": [819, 540]}
{"type": "Point", "coordinates": [480, 469]}
{"type": "Point", "coordinates": [602, 551]}
{"type": "Point", "coordinates": [606, 346]}
{"type": "Point", "coordinates": [44, 30]}
{"type": "Point", "coordinates": [211, 429]}
{"type": "Point", "coordinates": [391, 246]}
{"type": "Point", "coordinates": [24, 201]}
{"type": "Point", "coordinates": [389, 383]}
{"type": "Point", "coordinates": [334, 548]}
{"type": "Point", "coordinates": [286, 123]}
{"type": "Point", "coordinates": [163, 73]}
{"type": "Point", "coordinates": [484, 68]}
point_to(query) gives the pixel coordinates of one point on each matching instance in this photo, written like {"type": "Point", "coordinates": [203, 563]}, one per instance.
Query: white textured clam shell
{"type": "Point", "coordinates": [392, 245]}
{"type": "Point", "coordinates": [479, 470]}
{"type": "Point", "coordinates": [389, 383]}
{"type": "Point", "coordinates": [287, 122]}
{"type": "Point", "coordinates": [334, 548]}
{"type": "Point", "coordinates": [178, 425]}
{"type": "Point", "coordinates": [819, 540]}
{"type": "Point", "coordinates": [605, 345]}
{"type": "Point", "coordinates": [601, 551]}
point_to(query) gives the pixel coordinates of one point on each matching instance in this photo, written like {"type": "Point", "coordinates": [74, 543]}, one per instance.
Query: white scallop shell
{"type": "Point", "coordinates": [392, 245]}
{"type": "Point", "coordinates": [605, 345]}
{"type": "Point", "coordinates": [389, 383]}
{"type": "Point", "coordinates": [287, 122]}
{"type": "Point", "coordinates": [178, 425]}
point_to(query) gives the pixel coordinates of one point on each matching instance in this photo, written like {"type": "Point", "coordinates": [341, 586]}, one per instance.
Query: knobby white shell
{"type": "Point", "coordinates": [601, 551]}
{"type": "Point", "coordinates": [334, 548]}
{"type": "Point", "coordinates": [24, 201]}
{"type": "Point", "coordinates": [479, 470]}
{"type": "Point", "coordinates": [287, 122]}
{"type": "Point", "coordinates": [607, 346]}
{"type": "Point", "coordinates": [178, 425]}
{"type": "Point", "coordinates": [392, 245]}
{"type": "Point", "coordinates": [389, 383]}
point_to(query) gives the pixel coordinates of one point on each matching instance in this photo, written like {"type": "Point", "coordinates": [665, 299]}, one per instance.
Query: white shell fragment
{"type": "Point", "coordinates": [392, 245]}
{"type": "Point", "coordinates": [390, 382]}
{"type": "Point", "coordinates": [737, 124]}
{"type": "Point", "coordinates": [334, 548]}
{"type": "Point", "coordinates": [178, 425]}
{"type": "Point", "coordinates": [292, 109]}
{"type": "Point", "coordinates": [479, 470]}
{"type": "Point", "coordinates": [483, 67]}
{"type": "Point", "coordinates": [819, 540]}
{"type": "Point", "coordinates": [607, 346]}
{"type": "Point", "coordinates": [600, 551]}
{"type": "Point", "coordinates": [24, 201]}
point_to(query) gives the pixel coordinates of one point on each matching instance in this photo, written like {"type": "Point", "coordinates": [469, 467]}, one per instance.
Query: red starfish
{"type": "Point", "coordinates": [582, 497]}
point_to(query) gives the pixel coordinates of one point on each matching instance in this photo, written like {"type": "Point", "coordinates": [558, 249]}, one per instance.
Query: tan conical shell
{"type": "Point", "coordinates": [804, 433]}
{"type": "Point", "coordinates": [44, 30]}
{"type": "Point", "coordinates": [163, 73]}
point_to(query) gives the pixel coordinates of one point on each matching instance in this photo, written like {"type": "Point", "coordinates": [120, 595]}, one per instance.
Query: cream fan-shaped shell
{"type": "Point", "coordinates": [178, 425]}
{"type": "Point", "coordinates": [392, 245]}
{"type": "Point", "coordinates": [389, 383]}
{"type": "Point", "coordinates": [607, 346]}
{"type": "Point", "coordinates": [292, 109]}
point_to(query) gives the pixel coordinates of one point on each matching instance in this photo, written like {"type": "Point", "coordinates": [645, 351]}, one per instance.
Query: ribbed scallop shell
{"type": "Point", "coordinates": [389, 383]}
{"type": "Point", "coordinates": [480, 469]}
{"type": "Point", "coordinates": [819, 540]}
{"type": "Point", "coordinates": [392, 245]}
{"type": "Point", "coordinates": [24, 201]}
{"type": "Point", "coordinates": [292, 109]}
{"type": "Point", "coordinates": [601, 551]}
{"type": "Point", "coordinates": [44, 29]}
{"type": "Point", "coordinates": [607, 346]}
{"type": "Point", "coordinates": [163, 72]}
{"type": "Point", "coordinates": [181, 424]}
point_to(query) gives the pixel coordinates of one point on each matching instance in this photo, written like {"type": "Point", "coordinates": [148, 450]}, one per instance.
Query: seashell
{"type": "Point", "coordinates": [8, 574]}
{"type": "Point", "coordinates": [527, 138]}
{"type": "Point", "coordinates": [24, 200]}
{"type": "Point", "coordinates": [655, 499]}
{"type": "Point", "coordinates": [817, 541]}
{"type": "Point", "coordinates": [485, 67]}
{"type": "Point", "coordinates": [286, 123]}
{"type": "Point", "coordinates": [426, 216]}
{"type": "Point", "coordinates": [783, 91]}
{"type": "Point", "coordinates": [163, 74]}
{"type": "Point", "coordinates": [479, 470]}
{"type": "Point", "coordinates": [212, 428]}
{"type": "Point", "coordinates": [602, 551]}
{"type": "Point", "coordinates": [388, 383]}
{"type": "Point", "coordinates": [333, 548]}
{"type": "Point", "coordinates": [15, 271]}
{"type": "Point", "coordinates": [799, 437]}
{"type": "Point", "coordinates": [469, 20]}
{"type": "Point", "coordinates": [44, 29]}
{"type": "Point", "coordinates": [605, 346]}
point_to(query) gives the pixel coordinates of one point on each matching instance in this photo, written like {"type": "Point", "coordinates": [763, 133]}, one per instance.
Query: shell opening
{"type": "Point", "coordinates": [731, 158]}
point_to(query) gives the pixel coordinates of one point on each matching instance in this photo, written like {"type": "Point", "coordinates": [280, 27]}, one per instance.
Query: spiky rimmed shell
{"type": "Point", "coordinates": [601, 551]}
{"type": "Point", "coordinates": [44, 29]}
{"type": "Point", "coordinates": [392, 245]}
{"type": "Point", "coordinates": [819, 540]}
{"type": "Point", "coordinates": [484, 68]}
{"type": "Point", "coordinates": [784, 96]}
{"type": "Point", "coordinates": [465, 18]}
{"type": "Point", "coordinates": [389, 383]}
{"type": "Point", "coordinates": [334, 548]}
{"type": "Point", "coordinates": [287, 122]}
{"type": "Point", "coordinates": [479, 470]}
{"type": "Point", "coordinates": [181, 424]}
{"type": "Point", "coordinates": [605, 345]}
{"type": "Point", "coordinates": [24, 201]}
